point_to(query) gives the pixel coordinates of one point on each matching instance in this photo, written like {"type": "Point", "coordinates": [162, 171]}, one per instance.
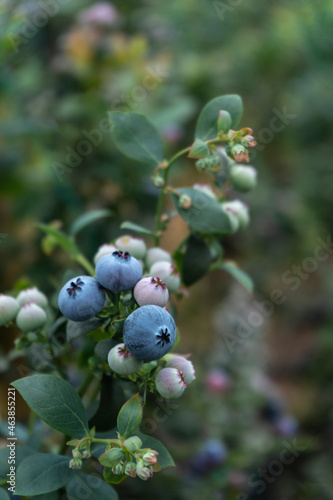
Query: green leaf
{"type": "Point", "coordinates": [86, 219]}
{"type": "Point", "coordinates": [207, 124]}
{"type": "Point", "coordinates": [61, 239]}
{"type": "Point", "coordinates": [56, 402]}
{"type": "Point", "coordinates": [43, 474]}
{"type": "Point", "coordinates": [199, 149]}
{"type": "Point", "coordinates": [205, 215]}
{"type": "Point", "coordinates": [196, 261]}
{"type": "Point", "coordinates": [21, 452]}
{"type": "Point", "coordinates": [90, 487]}
{"type": "Point", "coordinates": [243, 278]}
{"type": "Point", "coordinates": [4, 495]}
{"type": "Point", "coordinates": [51, 495]}
{"type": "Point", "coordinates": [136, 137]}
{"type": "Point", "coordinates": [130, 416]}
{"type": "Point", "coordinates": [137, 229]}
{"type": "Point", "coordinates": [163, 458]}
{"type": "Point", "coordinates": [113, 478]}
{"type": "Point", "coordinates": [78, 329]}
{"type": "Point", "coordinates": [112, 457]}
{"type": "Point", "coordinates": [103, 348]}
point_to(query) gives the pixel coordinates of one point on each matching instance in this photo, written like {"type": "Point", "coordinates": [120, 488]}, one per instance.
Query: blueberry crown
{"type": "Point", "coordinates": [122, 255]}
{"type": "Point", "coordinates": [163, 337]}
{"type": "Point", "coordinates": [75, 286]}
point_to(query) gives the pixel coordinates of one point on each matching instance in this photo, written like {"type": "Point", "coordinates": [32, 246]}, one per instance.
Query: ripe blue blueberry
{"type": "Point", "coordinates": [118, 271]}
{"type": "Point", "coordinates": [149, 332]}
{"type": "Point", "coordinates": [81, 298]}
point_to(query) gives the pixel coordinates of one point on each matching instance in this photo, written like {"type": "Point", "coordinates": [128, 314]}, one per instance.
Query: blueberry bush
{"type": "Point", "coordinates": [119, 314]}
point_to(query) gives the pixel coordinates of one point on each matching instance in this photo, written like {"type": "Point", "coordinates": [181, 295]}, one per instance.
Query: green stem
{"type": "Point", "coordinates": [80, 259]}
{"type": "Point", "coordinates": [85, 384]}
{"type": "Point", "coordinates": [105, 441]}
{"type": "Point", "coordinates": [161, 198]}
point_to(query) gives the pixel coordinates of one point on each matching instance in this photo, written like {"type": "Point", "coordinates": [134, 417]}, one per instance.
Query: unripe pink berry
{"type": "Point", "coordinates": [135, 246]}
{"type": "Point", "coordinates": [217, 381]}
{"type": "Point", "coordinates": [170, 383]}
{"type": "Point", "coordinates": [151, 291]}
{"type": "Point", "coordinates": [8, 309]}
{"type": "Point", "coordinates": [184, 365]}
{"type": "Point", "coordinates": [103, 250]}
{"type": "Point", "coordinates": [122, 362]}
{"type": "Point", "coordinates": [166, 272]}
{"type": "Point", "coordinates": [30, 317]}
{"type": "Point", "coordinates": [32, 296]}
{"type": "Point", "coordinates": [157, 254]}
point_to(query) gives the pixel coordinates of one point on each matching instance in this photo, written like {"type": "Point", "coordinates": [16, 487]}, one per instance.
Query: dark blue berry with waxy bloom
{"type": "Point", "coordinates": [149, 332]}
{"type": "Point", "coordinates": [118, 272]}
{"type": "Point", "coordinates": [81, 298]}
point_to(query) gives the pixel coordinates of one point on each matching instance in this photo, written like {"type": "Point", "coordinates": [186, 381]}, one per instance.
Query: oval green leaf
{"type": "Point", "coordinates": [42, 474]}
{"type": "Point", "coordinates": [90, 487]}
{"type": "Point", "coordinates": [130, 416]}
{"type": "Point", "coordinates": [86, 219]}
{"type": "Point", "coordinates": [136, 137]}
{"type": "Point", "coordinates": [196, 260]}
{"type": "Point", "coordinates": [56, 402]}
{"type": "Point", "coordinates": [205, 215]}
{"type": "Point", "coordinates": [112, 457]}
{"type": "Point", "coordinates": [207, 124]}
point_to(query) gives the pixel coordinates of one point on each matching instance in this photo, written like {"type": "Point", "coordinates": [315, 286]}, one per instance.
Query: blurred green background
{"type": "Point", "coordinates": [64, 64]}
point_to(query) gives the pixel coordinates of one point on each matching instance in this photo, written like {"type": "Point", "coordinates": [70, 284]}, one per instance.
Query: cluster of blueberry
{"type": "Point", "coordinates": [149, 332]}
{"type": "Point", "coordinates": [28, 309]}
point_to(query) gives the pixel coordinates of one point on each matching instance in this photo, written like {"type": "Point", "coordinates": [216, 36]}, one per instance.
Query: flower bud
{"type": "Point", "coordinates": [170, 383]}
{"type": "Point", "coordinates": [205, 188]}
{"type": "Point", "coordinates": [166, 272]}
{"type": "Point", "coordinates": [243, 178]}
{"type": "Point", "coordinates": [158, 181]}
{"type": "Point", "coordinates": [8, 309]}
{"type": "Point", "coordinates": [118, 469]}
{"type": "Point", "coordinates": [75, 463]}
{"type": "Point", "coordinates": [32, 295]}
{"type": "Point", "coordinates": [150, 457]}
{"type": "Point", "coordinates": [135, 246]}
{"type": "Point", "coordinates": [156, 254]}
{"type": "Point", "coordinates": [122, 362]}
{"type": "Point", "coordinates": [142, 471]}
{"type": "Point", "coordinates": [240, 154]}
{"type": "Point", "coordinates": [184, 365]}
{"type": "Point", "coordinates": [103, 250]}
{"type": "Point", "coordinates": [217, 381]}
{"type": "Point", "coordinates": [185, 201]}
{"type": "Point", "coordinates": [133, 444]}
{"type": "Point", "coordinates": [249, 141]}
{"type": "Point", "coordinates": [30, 317]}
{"type": "Point", "coordinates": [240, 210]}
{"type": "Point", "coordinates": [76, 453]}
{"type": "Point", "coordinates": [151, 291]}
{"type": "Point", "coordinates": [130, 469]}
